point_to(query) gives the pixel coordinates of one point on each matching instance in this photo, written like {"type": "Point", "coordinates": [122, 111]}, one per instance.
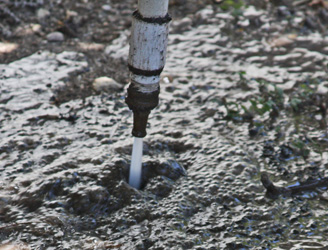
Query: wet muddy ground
{"type": "Point", "coordinates": [244, 92]}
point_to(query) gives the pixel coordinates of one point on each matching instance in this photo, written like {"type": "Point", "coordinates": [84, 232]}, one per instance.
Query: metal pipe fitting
{"type": "Point", "coordinates": [141, 103]}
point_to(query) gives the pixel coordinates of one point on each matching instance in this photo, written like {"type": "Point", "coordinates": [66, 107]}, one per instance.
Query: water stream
{"type": "Point", "coordinates": [135, 168]}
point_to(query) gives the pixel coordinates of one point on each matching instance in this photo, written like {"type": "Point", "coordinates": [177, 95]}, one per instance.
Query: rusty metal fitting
{"type": "Point", "coordinates": [141, 103]}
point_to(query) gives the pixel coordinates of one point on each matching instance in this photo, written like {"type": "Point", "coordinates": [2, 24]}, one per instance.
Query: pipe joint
{"type": "Point", "coordinates": [141, 103]}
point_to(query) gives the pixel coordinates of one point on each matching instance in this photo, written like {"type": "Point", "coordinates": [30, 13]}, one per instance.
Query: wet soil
{"type": "Point", "coordinates": [244, 92]}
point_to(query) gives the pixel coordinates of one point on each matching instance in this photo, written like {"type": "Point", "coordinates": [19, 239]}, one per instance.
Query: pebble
{"type": "Point", "coordinates": [283, 40]}
{"type": "Point", "coordinates": [55, 37]}
{"type": "Point", "coordinates": [243, 23]}
{"type": "Point", "coordinates": [42, 13]}
{"type": "Point", "coordinates": [13, 247]}
{"type": "Point", "coordinates": [28, 29]}
{"type": "Point", "coordinates": [106, 84]}
{"type": "Point", "coordinates": [71, 13]}
{"type": "Point", "coordinates": [251, 12]}
{"type": "Point", "coordinates": [106, 7]}
{"type": "Point", "coordinates": [224, 16]}
{"type": "Point", "coordinates": [283, 11]}
{"type": "Point", "coordinates": [91, 46]}
{"type": "Point", "coordinates": [7, 47]}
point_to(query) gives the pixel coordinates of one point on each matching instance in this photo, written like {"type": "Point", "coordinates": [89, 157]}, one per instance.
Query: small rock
{"type": "Point", "coordinates": [251, 12]}
{"type": "Point", "coordinates": [283, 11]}
{"type": "Point", "coordinates": [243, 23]}
{"type": "Point", "coordinates": [7, 47]}
{"type": "Point", "coordinates": [224, 16]}
{"type": "Point", "coordinates": [35, 27]}
{"type": "Point", "coordinates": [71, 13]}
{"type": "Point", "coordinates": [106, 84]}
{"type": "Point", "coordinates": [91, 46]}
{"type": "Point", "coordinates": [55, 37]}
{"type": "Point", "coordinates": [29, 29]}
{"type": "Point", "coordinates": [283, 40]}
{"type": "Point", "coordinates": [14, 247]}
{"type": "Point", "coordinates": [42, 13]}
{"type": "Point", "coordinates": [106, 7]}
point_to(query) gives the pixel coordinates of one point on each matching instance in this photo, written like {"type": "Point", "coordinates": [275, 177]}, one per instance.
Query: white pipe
{"type": "Point", "coordinates": [153, 8]}
{"type": "Point", "coordinates": [148, 42]}
{"type": "Point", "coordinates": [148, 45]}
{"type": "Point", "coordinates": [145, 80]}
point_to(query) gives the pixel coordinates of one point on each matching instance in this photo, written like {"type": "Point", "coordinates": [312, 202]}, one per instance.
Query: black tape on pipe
{"type": "Point", "coordinates": [158, 20]}
{"type": "Point", "coordinates": [143, 72]}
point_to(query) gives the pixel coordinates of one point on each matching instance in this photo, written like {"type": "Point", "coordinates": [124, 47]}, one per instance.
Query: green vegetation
{"type": "Point", "coordinates": [232, 4]}
{"type": "Point", "coordinates": [298, 113]}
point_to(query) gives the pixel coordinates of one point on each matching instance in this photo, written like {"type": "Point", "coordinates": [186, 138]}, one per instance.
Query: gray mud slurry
{"type": "Point", "coordinates": [64, 168]}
